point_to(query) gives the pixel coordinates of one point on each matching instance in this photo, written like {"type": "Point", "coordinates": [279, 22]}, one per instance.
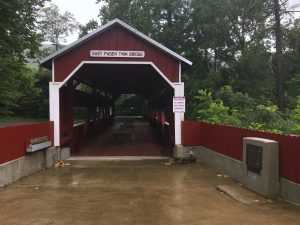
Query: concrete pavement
{"type": "Point", "coordinates": [133, 193]}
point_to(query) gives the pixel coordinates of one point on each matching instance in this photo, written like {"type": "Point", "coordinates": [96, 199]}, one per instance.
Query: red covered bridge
{"type": "Point", "coordinates": [115, 59]}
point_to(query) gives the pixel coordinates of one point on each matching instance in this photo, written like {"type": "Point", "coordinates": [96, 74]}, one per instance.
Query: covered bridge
{"type": "Point", "coordinates": [113, 60]}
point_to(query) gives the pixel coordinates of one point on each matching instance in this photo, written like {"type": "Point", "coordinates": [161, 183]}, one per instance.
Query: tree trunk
{"type": "Point", "coordinates": [56, 42]}
{"type": "Point", "coordinates": [216, 60]}
{"type": "Point", "coordinates": [277, 65]}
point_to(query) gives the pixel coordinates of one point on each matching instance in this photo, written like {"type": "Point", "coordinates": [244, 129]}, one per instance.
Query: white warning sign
{"type": "Point", "coordinates": [179, 104]}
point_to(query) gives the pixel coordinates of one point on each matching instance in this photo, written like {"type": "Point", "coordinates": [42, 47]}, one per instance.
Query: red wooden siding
{"type": "Point", "coordinates": [229, 141]}
{"type": "Point", "coordinates": [116, 38]}
{"type": "Point", "coordinates": [15, 139]}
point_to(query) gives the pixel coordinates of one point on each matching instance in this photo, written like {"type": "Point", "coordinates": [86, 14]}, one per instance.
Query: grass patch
{"type": "Point", "coordinates": [7, 120]}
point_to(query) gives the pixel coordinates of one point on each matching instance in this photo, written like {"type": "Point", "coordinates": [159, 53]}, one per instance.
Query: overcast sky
{"type": "Point", "coordinates": [84, 10]}
{"type": "Point", "coordinates": [293, 2]}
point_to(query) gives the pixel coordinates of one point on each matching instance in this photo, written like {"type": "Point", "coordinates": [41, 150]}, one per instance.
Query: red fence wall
{"type": "Point", "coordinates": [228, 140]}
{"type": "Point", "coordinates": [15, 139]}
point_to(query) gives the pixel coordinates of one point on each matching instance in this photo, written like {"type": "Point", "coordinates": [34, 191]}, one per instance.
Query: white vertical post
{"type": "Point", "coordinates": [53, 71]}
{"type": "Point", "coordinates": [54, 110]}
{"type": "Point", "coordinates": [179, 116]}
{"type": "Point", "coordinates": [180, 72]}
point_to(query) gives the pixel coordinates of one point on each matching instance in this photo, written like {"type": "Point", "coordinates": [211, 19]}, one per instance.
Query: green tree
{"type": "Point", "coordinates": [213, 110]}
{"type": "Point", "coordinates": [279, 74]}
{"type": "Point", "coordinates": [252, 73]}
{"type": "Point", "coordinates": [295, 118]}
{"type": "Point", "coordinates": [229, 47]}
{"type": "Point", "coordinates": [18, 26]}
{"type": "Point", "coordinates": [18, 40]}
{"type": "Point", "coordinates": [56, 26]}
{"type": "Point", "coordinates": [292, 55]}
{"type": "Point", "coordinates": [11, 72]}
{"type": "Point", "coordinates": [88, 27]}
{"type": "Point", "coordinates": [134, 12]}
{"type": "Point", "coordinates": [268, 118]}
{"type": "Point", "coordinates": [236, 100]}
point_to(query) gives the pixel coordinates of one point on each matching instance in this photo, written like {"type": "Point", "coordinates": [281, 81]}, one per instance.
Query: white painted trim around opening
{"type": "Point", "coordinates": [55, 107]}
{"type": "Point", "coordinates": [54, 110]}
{"type": "Point", "coordinates": [118, 63]}
{"type": "Point", "coordinates": [179, 116]}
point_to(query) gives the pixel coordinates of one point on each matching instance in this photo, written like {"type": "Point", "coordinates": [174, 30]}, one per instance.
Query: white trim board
{"type": "Point", "coordinates": [117, 63]}
{"type": "Point", "coordinates": [126, 26]}
{"type": "Point", "coordinates": [54, 110]}
{"type": "Point", "coordinates": [180, 72]}
{"type": "Point", "coordinates": [53, 71]}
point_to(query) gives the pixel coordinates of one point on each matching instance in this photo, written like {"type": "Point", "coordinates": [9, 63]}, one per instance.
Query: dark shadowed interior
{"type": "Point", "coordinates": [96, 88]}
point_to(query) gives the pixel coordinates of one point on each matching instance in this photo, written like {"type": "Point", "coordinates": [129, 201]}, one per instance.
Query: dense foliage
{"type": "Point", "coordinates": [241, 110]}
{"type": "Point", "coordinates": [19, 40]}
{"type": "Point", "coordinates": [88, 27]}
{"type": "Point", "coordinates": [24, 25]}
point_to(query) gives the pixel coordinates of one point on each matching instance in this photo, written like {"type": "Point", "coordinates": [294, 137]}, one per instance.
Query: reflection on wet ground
{"type": "Point", "coordinates": [128, 193]}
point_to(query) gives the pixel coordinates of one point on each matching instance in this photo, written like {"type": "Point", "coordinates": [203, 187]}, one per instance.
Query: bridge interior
{"type": "Point", "coordinates": [96, 88]}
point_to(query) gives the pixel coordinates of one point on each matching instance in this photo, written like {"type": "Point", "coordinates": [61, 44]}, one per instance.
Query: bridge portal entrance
{"type": "Point", "coordinates": [91, 77]}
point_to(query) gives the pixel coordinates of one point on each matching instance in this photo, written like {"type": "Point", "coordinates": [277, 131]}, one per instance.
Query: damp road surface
{"type": "Point", "coordinates": [133, 193]}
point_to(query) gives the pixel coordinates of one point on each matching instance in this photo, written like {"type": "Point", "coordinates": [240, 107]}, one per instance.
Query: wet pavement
{"type": "Point", "coordinates": [133, 192]}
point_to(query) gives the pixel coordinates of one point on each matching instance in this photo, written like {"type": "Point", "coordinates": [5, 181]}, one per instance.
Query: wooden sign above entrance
{"type": "Point", "coordinates": [117, 54]}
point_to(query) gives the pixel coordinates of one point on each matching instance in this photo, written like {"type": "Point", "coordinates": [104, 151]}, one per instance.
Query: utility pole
{"type": "Point", "coordinates": [277, 64]}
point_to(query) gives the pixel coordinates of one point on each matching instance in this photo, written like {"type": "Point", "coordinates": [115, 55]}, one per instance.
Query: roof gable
{"type": "Point", "coordinates": [47, 61]}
